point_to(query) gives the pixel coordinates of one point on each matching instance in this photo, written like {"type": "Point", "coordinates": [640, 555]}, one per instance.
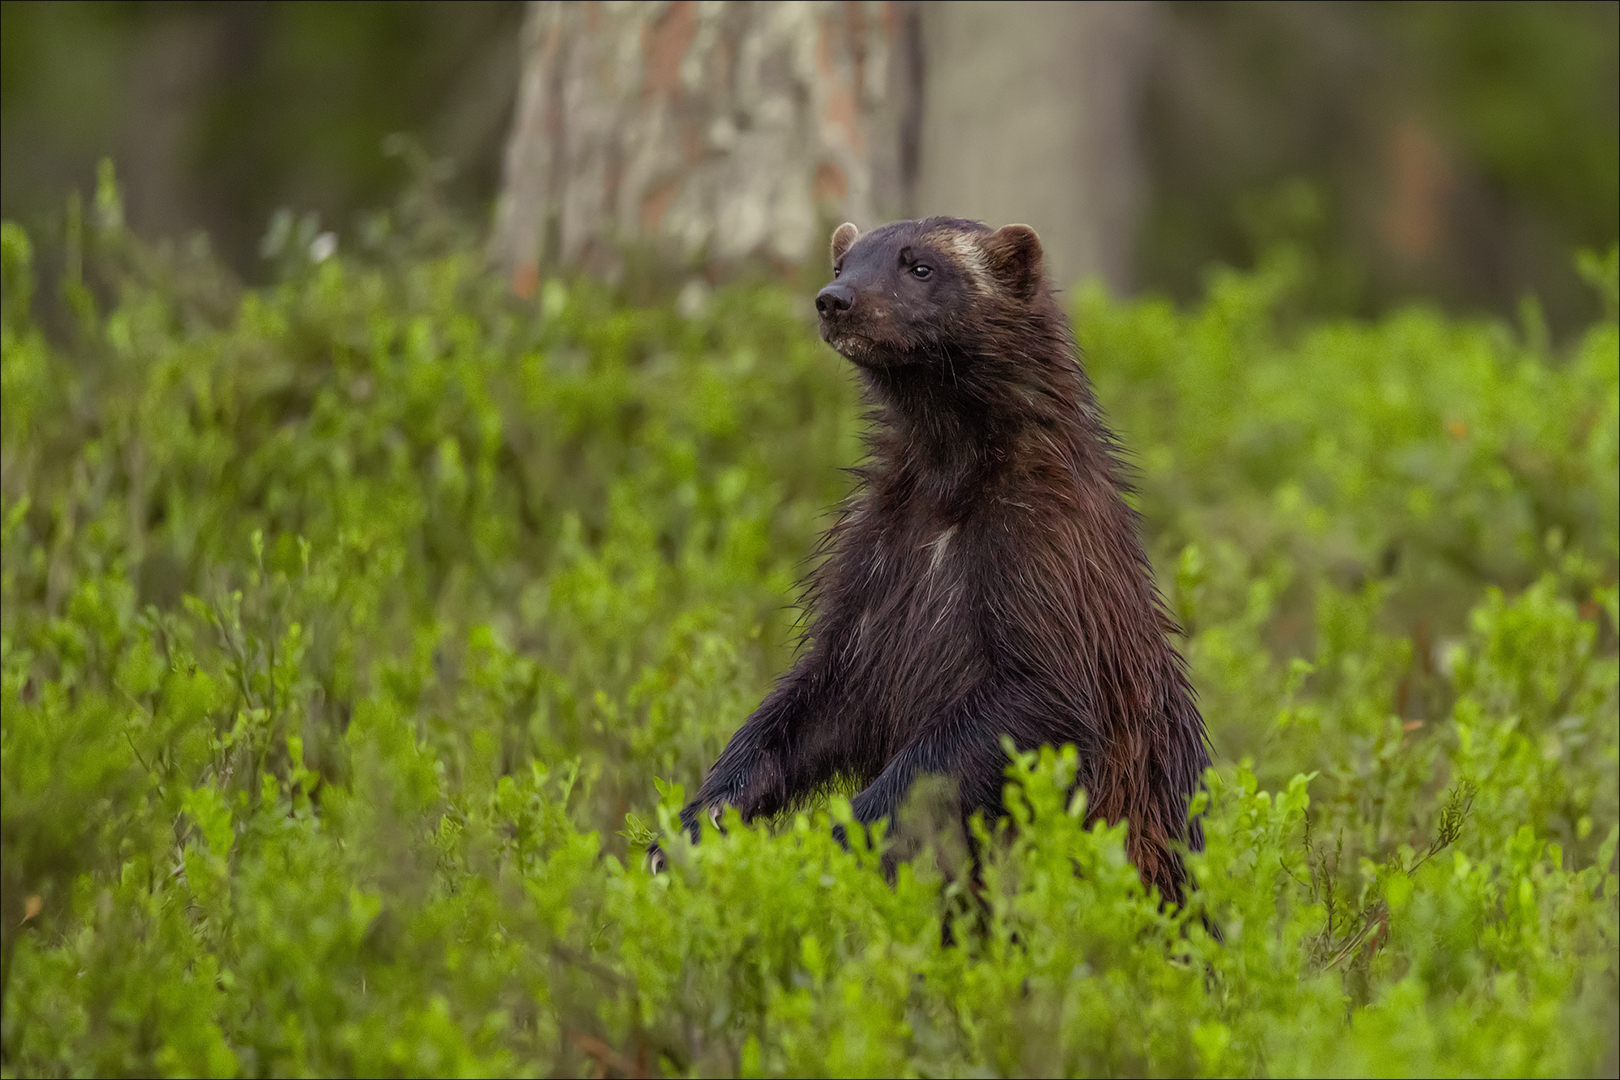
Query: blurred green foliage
{"type": "Point", "coordinates": [1447, 150]}
{"type": "Point", "coordinates": [1530, 91]}
{"type": "Point", "coordinates": [359, 630]}
{"type": "Point", "coordinates": [221, 113]}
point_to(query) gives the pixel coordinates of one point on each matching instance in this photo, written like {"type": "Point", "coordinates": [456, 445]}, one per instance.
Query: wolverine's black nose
{"type": "Point", "coordinates": [835, 298]}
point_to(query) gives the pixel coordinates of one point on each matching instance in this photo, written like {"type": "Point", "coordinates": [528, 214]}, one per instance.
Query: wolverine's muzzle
{"type": "Point", "coordinates": [834, 300]}
{"type": "Point", "coordinates": [833, 305]}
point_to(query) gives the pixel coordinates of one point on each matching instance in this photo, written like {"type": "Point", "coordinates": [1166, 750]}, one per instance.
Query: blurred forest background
{"type": "Point", "coordinates": [1458, 152]}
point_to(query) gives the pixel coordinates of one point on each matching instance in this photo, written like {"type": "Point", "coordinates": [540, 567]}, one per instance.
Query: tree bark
{"type": "Point", "coordinates": [713, 133]}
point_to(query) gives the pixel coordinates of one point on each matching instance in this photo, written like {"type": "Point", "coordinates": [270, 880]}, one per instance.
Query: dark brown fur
{"type": "Point", "coordinates": [987, 578]}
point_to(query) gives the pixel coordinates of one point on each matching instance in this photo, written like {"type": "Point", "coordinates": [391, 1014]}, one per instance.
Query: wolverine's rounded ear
{"type": "Point", "coordinates": [1014, 254]}
{"type": "Point", "coordinates": [843, 236]}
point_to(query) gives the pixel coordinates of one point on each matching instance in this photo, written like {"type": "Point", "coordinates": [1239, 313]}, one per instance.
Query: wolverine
{"type": "Point", "coordinates": [987, 578]}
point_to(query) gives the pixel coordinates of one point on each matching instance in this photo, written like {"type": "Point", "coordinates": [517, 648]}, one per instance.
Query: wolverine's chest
{"type": "Point", "coordinates": [910, 603]}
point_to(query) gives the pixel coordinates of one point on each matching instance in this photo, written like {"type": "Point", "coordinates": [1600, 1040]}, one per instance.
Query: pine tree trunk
{"type": "Point", "coordinates": [711, 133]}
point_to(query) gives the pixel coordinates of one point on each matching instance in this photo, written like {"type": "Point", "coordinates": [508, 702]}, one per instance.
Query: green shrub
{"type": "Point", "coordinates": [357, 634]}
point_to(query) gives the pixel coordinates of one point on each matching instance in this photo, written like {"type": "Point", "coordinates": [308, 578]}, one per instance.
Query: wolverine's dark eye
{"type": "Point", "coordinates": [921, 272]}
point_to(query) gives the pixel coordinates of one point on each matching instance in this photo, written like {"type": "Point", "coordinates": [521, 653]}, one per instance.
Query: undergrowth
{"type": "Point", "coordinates": [358, 631]}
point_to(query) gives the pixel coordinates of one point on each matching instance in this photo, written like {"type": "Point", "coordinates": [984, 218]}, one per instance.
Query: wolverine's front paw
{"type": "Point", "coordinates": [656, 860]}
{"type": "Point", "coordinates": [689, 819]}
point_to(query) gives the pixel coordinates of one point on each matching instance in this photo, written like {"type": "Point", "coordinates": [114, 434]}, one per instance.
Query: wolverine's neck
{"type": "Point", "coordinates": [949, 430]}
{"type": "Point", "coordinates": [936, 419]}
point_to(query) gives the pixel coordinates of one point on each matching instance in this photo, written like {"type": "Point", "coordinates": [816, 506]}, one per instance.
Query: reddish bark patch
{"type": "Point", "coordinates": [655, 203]}
{"type": "Point", "coordinates": [525, 280]}
{"type": "Point", "coordinates": [664, 44]}
{"type": "Point", "coordinates": [831, 184]}
{"type": "Point", "coordinates": [1413, 221]}
{"type": "Point", "coordinates": [840, 109]}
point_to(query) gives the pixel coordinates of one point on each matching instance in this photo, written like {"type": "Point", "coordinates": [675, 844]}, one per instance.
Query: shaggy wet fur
{"type": "Point", "coordinates": [987, 577]}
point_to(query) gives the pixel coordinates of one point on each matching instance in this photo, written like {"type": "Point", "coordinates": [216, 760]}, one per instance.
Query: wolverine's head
{"type": "Point", "coordinates": [902, 290]}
